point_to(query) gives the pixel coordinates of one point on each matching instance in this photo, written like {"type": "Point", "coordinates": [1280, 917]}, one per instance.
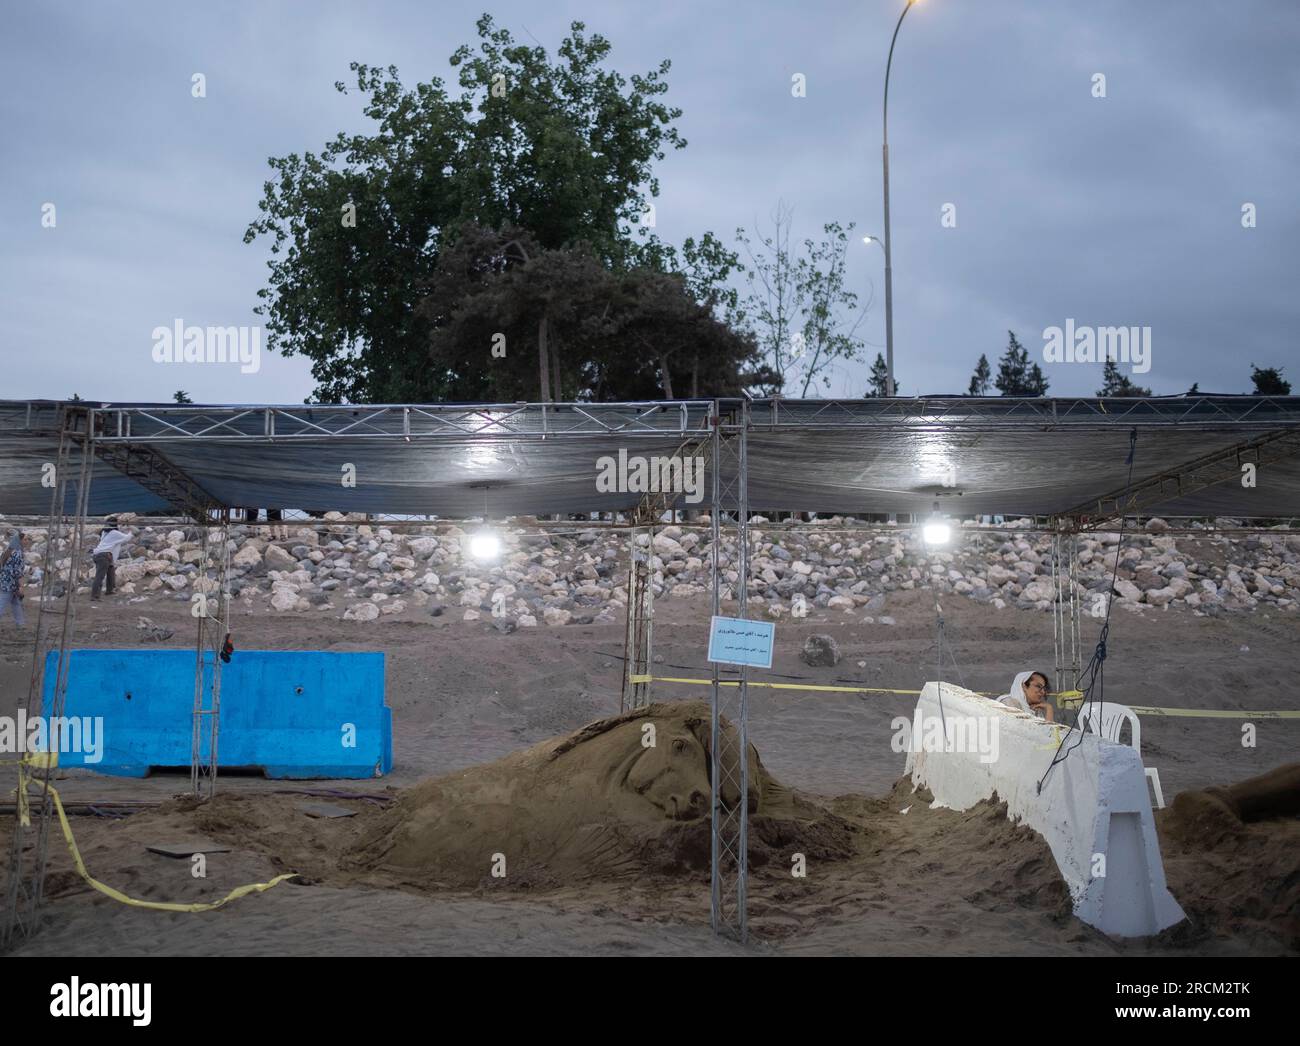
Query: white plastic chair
{"type": "Point", "coordinates": [1107, 720]}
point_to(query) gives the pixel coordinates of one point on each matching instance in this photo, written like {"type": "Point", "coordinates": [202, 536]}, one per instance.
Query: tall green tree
{"type": "Point", "coordinates": [561, 146]}
{"type": "Point", "coordinates": [805, 317]}
{"type": "Point", "coordinates": [1269, 381]}
{"type": "Point", "coordinates": [981, 379]}
{"type": "Point", "coordinates": [1113, 383]}
{"type": "Point", "coordinates": [1016, 376]}
{"type": "Point", "coordinates": [601, 333]}
{"type": "Point", "coordinates": [831, 316]}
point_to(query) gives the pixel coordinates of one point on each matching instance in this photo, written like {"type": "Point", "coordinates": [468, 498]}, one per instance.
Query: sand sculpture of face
{"type": "Point", "coordinates": [671, 775]}
{"type": "Point", "coordinates": [565, 807]}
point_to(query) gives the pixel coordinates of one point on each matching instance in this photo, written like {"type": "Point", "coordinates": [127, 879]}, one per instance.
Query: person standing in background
{"type": "Point", "coordinates": [278, 530]}
{"type": "Point", "coordinates": [111, 541]}
{"type": "Point", "coordinates": [12, 563]}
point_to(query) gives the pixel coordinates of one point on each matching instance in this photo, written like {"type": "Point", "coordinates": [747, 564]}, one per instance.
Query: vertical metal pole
{"type": "Point", "coordinates": [641, 695]}
{"type": "Point", "coordinates": [1058, 611]}
{"type": "Point", "coordinates": [742, 725]}
{"type": "Point", "coordinates": [715, 573]}
{"type": "Point", "coordinates": [26, 875]}
{"type": "Point", "coordinates": [889, 258]}
{"type": "Point", "coordinates": [18, 896]}
{"type": "Point", "coordinates": [218, 641]}
{"type": "Point", "coordinates": [630, 625]}
{"type": "Point", "coordinates": [213, 624]}
{"type": "Point", "coordinates": [639, 635]}
{"type": "Point", "coordinates": [59, 695]}
{"type": "Point", "coordinates": [1076, 644]}
{"type": "Point", "coordinates": [730, 749]}
{"type": "Point", "coordinates": [889, 287]}
{"type": "Point", "coordinates": [196, 732]}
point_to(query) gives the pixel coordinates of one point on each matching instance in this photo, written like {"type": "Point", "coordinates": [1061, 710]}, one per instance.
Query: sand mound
{"type": "Point", "coordinates": [1232, 857]}
{"type": "Point", "coordinates": [596, 803]}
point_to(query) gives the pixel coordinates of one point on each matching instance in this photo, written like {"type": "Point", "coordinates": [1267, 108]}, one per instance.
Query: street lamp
{"type": "Point", "coordinates": [889, 271]}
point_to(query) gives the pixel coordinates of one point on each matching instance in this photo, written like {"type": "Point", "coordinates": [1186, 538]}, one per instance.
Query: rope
{"type": "Point", "coordinates": [1095, 671]}
{"type": "Point", "coordinates": [943, 719]}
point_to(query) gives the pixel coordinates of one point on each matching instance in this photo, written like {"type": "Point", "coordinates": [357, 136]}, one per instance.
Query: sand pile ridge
{"type": "Point", "coordinates": [596, 803]}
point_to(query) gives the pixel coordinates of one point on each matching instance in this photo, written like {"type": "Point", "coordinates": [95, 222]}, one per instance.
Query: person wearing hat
{"type": "Point", "coordinates": [111, 542]}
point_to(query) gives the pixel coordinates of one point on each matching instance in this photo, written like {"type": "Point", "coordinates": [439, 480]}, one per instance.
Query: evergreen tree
{"type": "Point", "coordinates": [980, 380]}
{"type": "Point", "coordinates": [1269, 381]}
{"type": "Point", "coordinates": [1016, 377]}
{"type": "Point", "coordinates": [1037, 381]}
{"type": "Point", "coordinates": [1113, 383]}
{"type": "Point", "coordinates": [878, 382]}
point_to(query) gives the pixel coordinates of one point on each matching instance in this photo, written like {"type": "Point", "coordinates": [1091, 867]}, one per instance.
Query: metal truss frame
{"type": "Point", "coordinates": [729, 515]}
{"type": "Point", "coordinates": [158, 476]}
{"type": "Point", "coordinates": [1065, 608]}
{"type": "Point", "coordinates": [975, 413]}
{"type": "Point", "coordinates": [638, 636]}
{"type": "Point", "coordinates": [639, 633]}
{"type": "Point", "coordinates": [211, 608]}
{"type": "Point", "coordinates": [55, 621]}
{"type": "Point", "coordinates": [139, 425]}
{"type": "Point", "coordinates": [1188, 478]}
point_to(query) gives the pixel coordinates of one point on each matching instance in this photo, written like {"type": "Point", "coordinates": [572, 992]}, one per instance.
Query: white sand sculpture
{"type": "Point", "coordinates": [1093, 809]}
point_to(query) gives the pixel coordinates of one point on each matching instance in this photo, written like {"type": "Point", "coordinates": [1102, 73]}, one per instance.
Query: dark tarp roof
{"type": "Point", "coordinates": [1014, 457]}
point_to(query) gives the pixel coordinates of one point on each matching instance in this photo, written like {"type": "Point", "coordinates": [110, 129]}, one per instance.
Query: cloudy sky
{"type": "Point", "coordinates": [1122, 210]}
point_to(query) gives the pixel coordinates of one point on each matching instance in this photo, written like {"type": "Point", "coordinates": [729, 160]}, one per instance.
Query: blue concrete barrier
{"type": "Point", "coordinates": [291, 713]}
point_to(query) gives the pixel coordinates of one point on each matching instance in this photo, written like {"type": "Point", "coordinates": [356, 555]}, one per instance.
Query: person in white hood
{"type": "Point", "coordinates": [1029, 694]}
{"type": "Point", "coordinates": [111, 542]}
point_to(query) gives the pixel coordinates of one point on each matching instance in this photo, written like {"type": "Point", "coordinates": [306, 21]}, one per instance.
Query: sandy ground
{"type": "Point", "coordinates": [928, 881]}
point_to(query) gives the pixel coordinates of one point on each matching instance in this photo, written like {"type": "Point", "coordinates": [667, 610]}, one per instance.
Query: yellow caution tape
{"type": "Point", "coordinates": [1218, 713]}
{"type": "Point", "coordinates": [1072, 698]}
{"type": "Point", "coordinates": [775, 686]}
{"type": "Point", "coordinates": [38, 761]}
{"type": "Point", "coordinates": [108, 891]}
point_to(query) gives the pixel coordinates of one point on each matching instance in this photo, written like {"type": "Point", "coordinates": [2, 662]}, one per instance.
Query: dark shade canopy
{"type": "Point", "coordinates": [1039, 457]}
